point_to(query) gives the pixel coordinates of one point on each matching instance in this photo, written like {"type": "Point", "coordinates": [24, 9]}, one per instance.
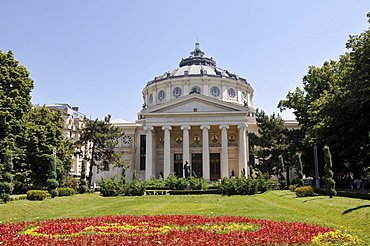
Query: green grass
{"type": "Point", "coordinates": [346, 214]}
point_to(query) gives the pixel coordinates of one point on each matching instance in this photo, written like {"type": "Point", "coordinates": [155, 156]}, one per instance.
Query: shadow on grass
{"type": "Point", "coordinates": [356, 208]}
{"type": "Point", "coordinates": [316, 198]}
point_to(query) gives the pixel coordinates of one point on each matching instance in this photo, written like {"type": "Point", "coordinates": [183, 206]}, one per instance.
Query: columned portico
{"type": "Point", "coordinates": [149, 152]}
{"type": "Point", "coordinates": [205, 109]}
{"type": "Point", "coordinates": [224, 151]}
{"type": "Point", "coordinates": [243, 158]}
{"type": "Point", "coordinates": [205, 148]}
{"type": "Point", "coordinates": [167, 151]}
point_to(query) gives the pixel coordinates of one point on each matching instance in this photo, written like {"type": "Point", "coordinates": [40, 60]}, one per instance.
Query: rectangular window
{"type": "Point", "coordinates": [178, 165]}
{"type": "Point", "coordinates": [142, 151]}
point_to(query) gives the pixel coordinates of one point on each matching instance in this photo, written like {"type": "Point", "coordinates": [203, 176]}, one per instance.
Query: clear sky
{"type": "Point", "coordinates": [99, 55]}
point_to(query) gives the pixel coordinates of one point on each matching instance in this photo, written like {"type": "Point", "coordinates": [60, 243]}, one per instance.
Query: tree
{"type": "Point", "coordinates": [281, 171]}
{"type": "Point", "coordinates": [15, 104]}
{"type": "Point", "coordinates": [52, 177]}
{"type": "Point", "coordinates": [299, 170]}
{"type": "Point", "coordinates": [333, 106]}
{"type": "Point", "coordinates": [328, 179]}
{"type": "Point", "coordinates": [6, 178]}
{"type": "Point", "coordinates": [83, 187]}
{"type": "Point", "coordinates": [101, 137]}
{"type": "Point", "coordinates": [271, 142]}
{"type": "Point", "coordinates": [45, 132]}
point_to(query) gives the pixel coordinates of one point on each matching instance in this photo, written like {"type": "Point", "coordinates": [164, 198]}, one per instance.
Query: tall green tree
{"type": "Point", "coordinates": [328, 178]}
{"type": "Point", "coordinates": [270, 142]}
{"type": "Point", "coordinates": [83, 188]}
{"type": "Point", "coordinates": [101, 137]}
{"type": "Point", "coordinates": [45, 132]}
{"type": "Point", "coordinates": [6, 178]}
{"type": "Point", "coordinates": [52, 177]}
{"type": "Point", "coordinates": [299, 170]}
{"type": "Point", "coordinates": [15, 104]}
{"type": "Point", "coordinates": [281, 170]}
{"type": "Point", "coordinates": [333, 106]}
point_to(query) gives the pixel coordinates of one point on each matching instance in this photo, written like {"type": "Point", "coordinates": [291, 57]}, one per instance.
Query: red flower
{"type": "Point", "coordinates": [159, 230]}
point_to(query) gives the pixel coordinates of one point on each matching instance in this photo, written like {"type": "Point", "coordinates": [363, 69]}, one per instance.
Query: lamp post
{"type": "Point", "coordinates": [317, 177]}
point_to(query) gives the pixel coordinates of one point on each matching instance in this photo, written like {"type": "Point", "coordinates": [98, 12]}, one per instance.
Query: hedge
{"type": "Point", "coordinates": [66, 191]}
{"type": "Point", "coordinates": [36, 195]}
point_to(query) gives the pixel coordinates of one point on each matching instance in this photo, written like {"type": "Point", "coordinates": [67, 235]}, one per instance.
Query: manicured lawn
{"type": "Point", "coordinates": [346, 214]}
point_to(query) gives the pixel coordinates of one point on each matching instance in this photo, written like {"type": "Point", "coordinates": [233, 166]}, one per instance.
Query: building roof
{"type": "Point", "coordinates": [119, 121]}
{"type": "Point", "coordinates": [197, 65]}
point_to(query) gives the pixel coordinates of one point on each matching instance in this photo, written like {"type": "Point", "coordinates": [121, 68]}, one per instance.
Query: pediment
{"type": "Point", "coordinates": [196, 103]}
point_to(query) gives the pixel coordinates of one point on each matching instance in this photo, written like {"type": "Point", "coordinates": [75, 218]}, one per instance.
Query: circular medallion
{"type": "Point", "coordinates": [244, 95]}
{"type": "Point", "coordinates": [215, 91]}
{"type": "Point", "coordinates": [176, 92]}
{"type": "Point", "coordinates": [161, 95]}
{"type": "Point", "coordinates": [231, 93]}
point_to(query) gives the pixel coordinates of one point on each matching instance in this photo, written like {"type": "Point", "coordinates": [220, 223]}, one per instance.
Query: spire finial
{"type": "Point", "coordinates": [197, 51]}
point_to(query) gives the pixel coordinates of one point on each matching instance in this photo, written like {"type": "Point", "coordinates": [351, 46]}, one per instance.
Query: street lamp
{"type": "Point", "coordinates": [317, 177]}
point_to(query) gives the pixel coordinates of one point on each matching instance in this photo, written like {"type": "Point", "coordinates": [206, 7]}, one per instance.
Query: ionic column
{"type": "Point", "coordinates": [243, 145]}
{"type": "Point", "coordinates": [224, 152]}
{"type": "Point", "coordinates": [167, 151]}
{"type": "Point", "coordinates": [205, 156]}
{"type": "Point", "coordinates": [185, 143]}
{"type": "Point", "coordinates": [149, 152]}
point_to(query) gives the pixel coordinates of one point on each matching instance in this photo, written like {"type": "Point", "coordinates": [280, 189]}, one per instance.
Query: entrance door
{"type": "Point", "coordinates": [178, 165]}
{"type": "Point", "coordinates": [196, 165]}
{"type": "Point", "coordinates": [215, 170]}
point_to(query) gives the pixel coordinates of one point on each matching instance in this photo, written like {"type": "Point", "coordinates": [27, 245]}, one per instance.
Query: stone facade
{"type": "Point", "coordinates": [197, 113]}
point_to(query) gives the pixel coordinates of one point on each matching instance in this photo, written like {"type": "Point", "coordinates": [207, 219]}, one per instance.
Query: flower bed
{"type": "Point", "coordinates": [161, 230]}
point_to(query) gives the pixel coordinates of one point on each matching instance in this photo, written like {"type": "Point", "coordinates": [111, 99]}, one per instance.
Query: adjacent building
{"type": "Point", "coordinates": [73, 123]}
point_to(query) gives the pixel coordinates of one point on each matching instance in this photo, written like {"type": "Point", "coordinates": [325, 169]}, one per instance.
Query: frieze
{"type": "Point", "coordinates": [199, 119]}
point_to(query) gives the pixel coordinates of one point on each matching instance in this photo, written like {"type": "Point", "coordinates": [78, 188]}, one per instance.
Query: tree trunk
{"type": "Point", "coordinates": [92, 164]}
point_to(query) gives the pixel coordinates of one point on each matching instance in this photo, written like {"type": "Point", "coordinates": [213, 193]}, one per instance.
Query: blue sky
{"type": "Point", "coordinates": [99, 55]}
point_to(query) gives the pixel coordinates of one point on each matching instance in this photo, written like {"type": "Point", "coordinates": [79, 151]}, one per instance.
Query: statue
{"type": "Point", "coordinates": [187, 169]}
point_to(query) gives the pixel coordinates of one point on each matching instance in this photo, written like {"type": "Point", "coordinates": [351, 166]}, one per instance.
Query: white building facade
{"type": "Point", "coordinates": [74, 121]}
{"type": "Point", "coordinates": [197, 113]}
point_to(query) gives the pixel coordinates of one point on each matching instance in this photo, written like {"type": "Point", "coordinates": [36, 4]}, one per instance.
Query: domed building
{"type": "Point", "coordinates": [198, 114]}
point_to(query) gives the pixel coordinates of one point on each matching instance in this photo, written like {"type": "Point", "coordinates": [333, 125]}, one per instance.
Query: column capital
{"type": "Point", "coordinates": [242, 125]}
{"type": "Point", "coordinates": [148, 128]}
{"type": "Point", "coordinates": [166, 128]}
{"type": "Point", "coordinates": [224, 126]}
{"type": "Point", "coordinates": [202, 127]}
{"type": "Point", "coordinates": [185, 127]}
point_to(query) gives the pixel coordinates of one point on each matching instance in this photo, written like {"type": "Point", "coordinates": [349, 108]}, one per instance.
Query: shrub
{"type": "Point", "coordinates": [244, 186]}
{"type": "Point", "coordinates": [228, 187]}
{"type": "Point", "coordinates": [153, 182]}
{"type": "Point", "coordinates": [53, 193]}
{"type": "Point", "coordinates": [66, 191]}
{"type": "Point", "coordinates": [73, 183]}
{"type": "Point", "coordinates": [134, 188]}
{"type": "Point", "coordinates": [175, 183]}
{"type": "Point", "coordinates": [292, 187]}
{"type": "Point", "coordinates": [5, 187]}
{"type": "Point", "coordinates": [5, 197]}
{"type": "Point", "coordinates": [110, 187]}
{"type": "Point", "coordinates": [304, 191]}
{"type": "Point", "coordinates": [197, 183]}
{"type": "Point", "coordinates": [36, 195]}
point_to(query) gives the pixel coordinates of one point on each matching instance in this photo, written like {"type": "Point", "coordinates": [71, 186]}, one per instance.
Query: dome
{"type": "Point", "coordinates": [198, 74]}
{"type": "Point", "coordinates": [197, 65]}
